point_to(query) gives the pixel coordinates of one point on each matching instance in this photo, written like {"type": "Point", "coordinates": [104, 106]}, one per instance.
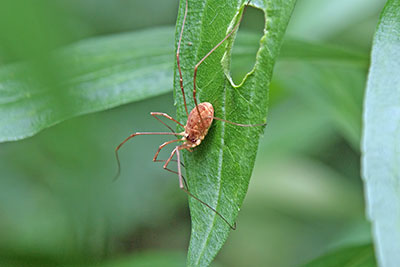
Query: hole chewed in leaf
{"type": "Point", "coordinates": [245, 46]}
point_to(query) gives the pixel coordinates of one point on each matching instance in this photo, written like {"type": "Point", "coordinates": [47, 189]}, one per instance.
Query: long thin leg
{"type": "Point", "coordinates": [167, 169]}
{"type": "Point", "coordinates": [170, 158]}
{"type": "Point", "coordinates": [177, 58]}
{"type": "Point", "coordinates": [181, 181]}
{"type": "Point", "coordinates": [131, 136]}
{"type": "Point", "coordinates": [165, 115]}
{"type": "Point", "coordinates": [164, 160]}
{"type": "Point", "coordinates": [184, 180]}
{"type": "Point", "coordinates": [163, 145]}
{"type": "Point", "coordinates": [239, 124]}
{"type": "Point", "coordinates": [207, 55]}
{"type": "Point", "coordinates": [179, 166]}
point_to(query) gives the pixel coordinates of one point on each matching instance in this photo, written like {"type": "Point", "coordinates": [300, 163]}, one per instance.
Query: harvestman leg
{"type": "Point", "coordinates": [182, 182]}
{"type": "Point", "coordinates": [162, 146]}
{"type": "Point", "coordinates": [182, 179]}
{"type": "Point", "coordinates": [155, 114]}
{"type": "Point", "coordinates": [165, 115]}
{"type": "Point", "coordinates": [174, 160]}
{"type": "Point", "coordinates": [204, 58]}
{"type": "Point", "coordinates": [133, 135]}
{"type": "Point", "coordinates": [177, 59]}
{"type": "Point", "coordinates": [207, 55]}
{"type": "Point", "coordinates": [168, 169]}
{"type": "Point", "coordinates": [199, 63]}
{"type": "Point", "coordinates": [197, 66]}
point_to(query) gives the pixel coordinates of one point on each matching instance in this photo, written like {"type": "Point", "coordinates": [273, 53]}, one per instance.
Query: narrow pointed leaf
{"type": "Point", "coordinates": [218, 171]}
{"type": "Point", "coordinates": [381, 137]}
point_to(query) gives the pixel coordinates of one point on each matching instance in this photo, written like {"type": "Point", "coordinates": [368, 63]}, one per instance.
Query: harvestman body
{"type": "Point", "coordinates": [197, 125]}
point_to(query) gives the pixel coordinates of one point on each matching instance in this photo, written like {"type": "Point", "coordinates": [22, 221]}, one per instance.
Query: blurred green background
{"type": "Point", "coordinates": [58, 206]}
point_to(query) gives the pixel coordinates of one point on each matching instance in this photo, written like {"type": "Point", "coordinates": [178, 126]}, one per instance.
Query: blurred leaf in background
{"type": "Point", "coordinates": [93, 75]}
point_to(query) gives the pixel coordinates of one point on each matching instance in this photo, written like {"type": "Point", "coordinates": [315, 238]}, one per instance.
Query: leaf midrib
{"type": "Point", "coordinates": [219, 172]}
{"type": "Point", "coordinates": [221, 158]}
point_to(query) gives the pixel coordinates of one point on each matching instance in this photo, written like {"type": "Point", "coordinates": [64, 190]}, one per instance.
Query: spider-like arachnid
{"type": "Point", "coordinates": [198, 122]}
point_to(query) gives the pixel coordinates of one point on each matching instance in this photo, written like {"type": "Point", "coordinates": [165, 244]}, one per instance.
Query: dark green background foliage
{"type": "Point", "coordinates": [114, 62]}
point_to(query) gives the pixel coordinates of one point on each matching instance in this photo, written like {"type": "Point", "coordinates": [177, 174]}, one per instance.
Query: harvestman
{"type": "Point", "coordinates": [197, 125]}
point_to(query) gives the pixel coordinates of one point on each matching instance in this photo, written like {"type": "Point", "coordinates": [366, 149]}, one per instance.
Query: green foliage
{"type": "Point", "coordinates": [381, 131]}
{"type": "Point", "coordinates": [92, 75]}
{"type": "Point", "coordinates": [57, 203]}
{"type": "Point", "coordinates": [148, 259]}
{"type": "Point", "coordinates": [360, 256]}
{"type": "Point", "coordinates": [72, 203]}
{"type": "Point", "coordinates": [219, 170]}
{"type": "Point", "coordinates": [104, 72]}
{"type": "Point", "coordinates": [336, 90]}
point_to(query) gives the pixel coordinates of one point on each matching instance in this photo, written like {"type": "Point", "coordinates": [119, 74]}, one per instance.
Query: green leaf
{"type": "Point", "coordinates": [218, 171]}
{"type": "Point", "coordinates": [332, 89]}
{"type": "Point", "coordinates": [104, 72]}
{"type": "Point", "coordinates": [295, 49]}
{"type": "Point", "coordinates": [381, 136]}
{"type": "Point", "coordinates": [360, 256]}
{"type": "Point", "coordinates": [92, 75]}
{"type": "Point", "coordinates": [298, 49]}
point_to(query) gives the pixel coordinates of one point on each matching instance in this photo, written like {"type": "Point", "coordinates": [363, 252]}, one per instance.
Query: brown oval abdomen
{"type": "Point", "coordinates": [195, 129]}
